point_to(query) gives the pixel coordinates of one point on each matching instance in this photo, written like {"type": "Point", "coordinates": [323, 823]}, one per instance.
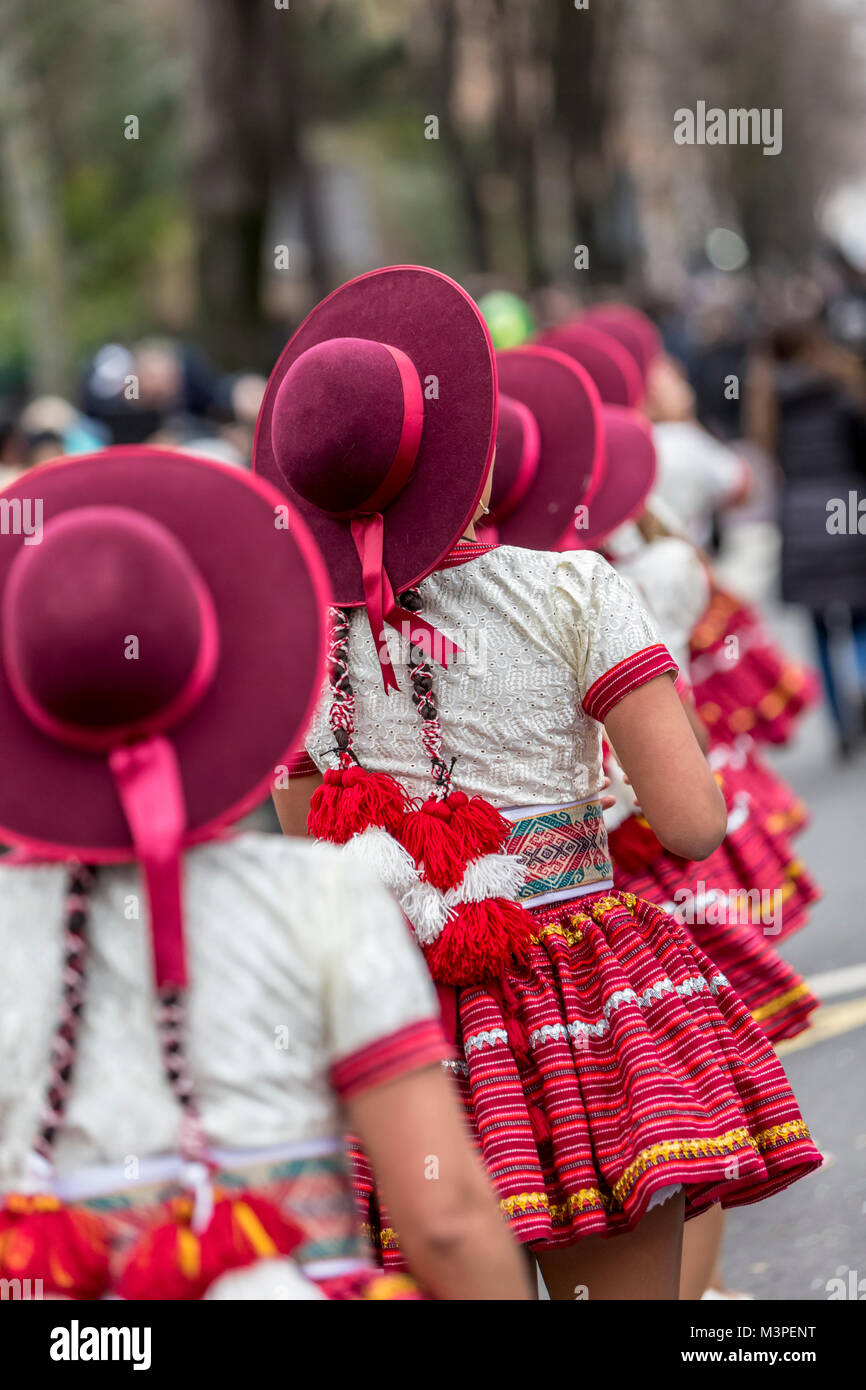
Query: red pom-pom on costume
{"type": "Point", "coordinates": [481, 827]}
{"type": "Point", "coordinates": [172, 1262]}
{"type": "Point", "coordinates": [63, 1247]}
{"type": "Point", "coordinates": [481, 941]}
{"type": "Point", "coordinates": [434, 843]}
{"type": "Point", "coordinates": [351, 800]}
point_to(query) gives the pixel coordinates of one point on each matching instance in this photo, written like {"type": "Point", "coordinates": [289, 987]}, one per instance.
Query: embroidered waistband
{"type": "Point", "coordinates": [563, 848]}
{"type": "Point", "coordinates": [117, 1182]}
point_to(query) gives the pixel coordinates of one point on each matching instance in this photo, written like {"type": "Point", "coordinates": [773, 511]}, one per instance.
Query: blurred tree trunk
{"type": "Point", "coordinates": [30, 191]}
{"type": "Point", "coordinates": [247, 137]}
{"type": "Point", "coordinates": [517, 130]}
{"type": "Point", "coordinates": [585, 101]}
{"type": "Point", "coordinates": [465, 170]}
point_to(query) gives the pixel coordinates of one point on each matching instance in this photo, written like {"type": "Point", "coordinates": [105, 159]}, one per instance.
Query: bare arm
{"type": "Point", "coordinates": [437, 1192]}
{"type": "Point", "coordinates": [292, 803]}
{"type": "Point", "coordinates": [699, 728]}
{"type": "Point", "coordinates": [672, 781]}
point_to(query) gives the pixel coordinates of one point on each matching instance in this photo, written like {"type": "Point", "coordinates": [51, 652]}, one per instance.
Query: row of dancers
{"type": "Point", "coordinates": [503, 998]}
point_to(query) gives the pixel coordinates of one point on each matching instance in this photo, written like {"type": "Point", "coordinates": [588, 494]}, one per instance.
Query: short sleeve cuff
{"type": "Point", "coordinates": [301, 764]}
{"type": "Point", "coordinates": [417, 1045]}
{"type": "Point", "coordinates": [625, 676]}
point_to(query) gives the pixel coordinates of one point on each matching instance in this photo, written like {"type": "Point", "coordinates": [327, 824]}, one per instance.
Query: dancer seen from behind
{"type": "Point", "coordinates": [206, 1004]}
{"type": "Point", "coordinates": [614, 1080]}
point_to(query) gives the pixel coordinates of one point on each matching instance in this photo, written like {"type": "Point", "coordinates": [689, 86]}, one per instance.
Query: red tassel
{"type": "Point", "coordinates": [434, 844]}
{"type": "Point", "coordinates": [541, 1131]}
{"type": "Point", "coordinates": [634, 845]}
{"type": "Point", "coordinates": [351, 800]}
{"type": "Point", "coordinates": [62, 1247]}
{"type": "Point", "coordinates": [482, 828]}
{"type": "Point", "coordinates": [509, 1005]}
{"type": "Point", "coordinates": [172, 1262]}
{"type": "Point", "coordinates": [482, 940]}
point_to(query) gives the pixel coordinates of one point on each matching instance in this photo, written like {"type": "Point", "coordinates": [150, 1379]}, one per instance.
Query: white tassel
{"type": "Point", "coordinates": [427, 911]}
{"type": "Point", "coordinates": [490, 876]}
{"type": "Point", "coordinates": [387, 858]}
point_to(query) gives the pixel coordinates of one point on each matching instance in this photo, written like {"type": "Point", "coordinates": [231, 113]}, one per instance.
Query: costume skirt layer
{"type": "Point", "coordinates": [727, 925]}
{"type": "Point", "coordinates": [748, 685]}
{"type": "Point", "coordinates": [756, 857]}
{"type": "Point", "coordinates": [744, 770]}
{"type": "Point", "coordinates": [619, 1064]}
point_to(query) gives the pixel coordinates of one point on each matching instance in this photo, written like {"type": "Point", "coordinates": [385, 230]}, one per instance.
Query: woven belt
{"type": "Point", "coordinates": [564, 850]}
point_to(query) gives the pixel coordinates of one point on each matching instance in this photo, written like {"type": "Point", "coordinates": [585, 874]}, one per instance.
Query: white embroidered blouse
{"type": "Point", "coordinates": [670, 578]}
{"type": "Point", "coordinates": [550, 643]}
{"type": "Point", "coordinates": [305, 987]}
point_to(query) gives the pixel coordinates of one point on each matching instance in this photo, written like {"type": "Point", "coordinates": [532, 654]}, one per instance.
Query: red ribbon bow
{"type": "Point", "coordinates": [382, 606]}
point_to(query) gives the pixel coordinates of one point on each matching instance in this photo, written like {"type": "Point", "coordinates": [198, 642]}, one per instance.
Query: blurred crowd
{"type": "Point", "coordinates": [158, 391]}
{"type": "Point", "coordinates": [773, 370]}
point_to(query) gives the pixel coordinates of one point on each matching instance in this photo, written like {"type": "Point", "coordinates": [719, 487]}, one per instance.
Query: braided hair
{"type": "Point", "coordinates": [64, 1046]}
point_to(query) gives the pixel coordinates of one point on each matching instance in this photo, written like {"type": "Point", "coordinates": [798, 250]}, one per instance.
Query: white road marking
{"type": "Point", "coordinates": [848, 979]}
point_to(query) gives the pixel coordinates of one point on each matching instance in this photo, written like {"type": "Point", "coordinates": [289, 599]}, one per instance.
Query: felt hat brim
{"type": "Point", "coordinates": [612, 368]}
{"type": "Point", "coordinates": [438, 326]}
{"type": "Point", "coordinates": [627, 475]}
{"type": "Point", "coordinates": [568, 413]}
{"type": "Point", "coordinates": [270, 594]}
{"type": "Point", "coordinates": [637, 333]}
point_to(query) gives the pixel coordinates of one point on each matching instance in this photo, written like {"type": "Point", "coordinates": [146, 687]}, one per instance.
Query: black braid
{"type": "Point", "coordinates": [426, 702]}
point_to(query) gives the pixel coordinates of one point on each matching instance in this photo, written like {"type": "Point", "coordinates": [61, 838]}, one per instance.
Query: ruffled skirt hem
{"type": "Point", "coordinates": [619, 1063]}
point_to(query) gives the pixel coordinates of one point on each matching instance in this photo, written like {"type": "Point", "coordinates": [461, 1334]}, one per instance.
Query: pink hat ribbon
{"type": "Point", "coordinates": [144, 766]}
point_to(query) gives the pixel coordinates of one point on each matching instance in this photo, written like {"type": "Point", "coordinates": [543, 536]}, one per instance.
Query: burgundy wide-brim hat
{"type": "Point", "coordinates": [627, 476]}
{"type": "Point", "coordinates": [637, 333]}
{"type": "Point", "coordinates": [566, 414]}
{"type": "Point", "coordinates": [383, 403]}
{"type": "Point", "coordinates": [611, 366]}
{"type": "Point", "coordinates": [518, 451]}
{"type": "Point", "coordinates": [162, 645]}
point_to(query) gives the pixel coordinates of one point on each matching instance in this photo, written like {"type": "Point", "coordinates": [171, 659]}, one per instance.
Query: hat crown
{"type": "Point", "coordinates": [509, 450]}
{"type": "Point", "coordinates": [102, 621]}
{"type": "Point", "coordinates": [517, 446]}
{"type": "Point", "coordinates": [338, 422]}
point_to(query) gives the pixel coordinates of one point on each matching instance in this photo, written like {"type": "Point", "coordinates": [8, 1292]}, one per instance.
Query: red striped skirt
{"type": "Point", "coordinates": [620, 1063]}
{"type": "Point", "coordinates": [752, 687]}
{"type": "Point", "coordinates": [726, 924]}
{"type": "Point", "coordinates": [756, 856]}
{"type": "Point", "coordinates": [745, 770]}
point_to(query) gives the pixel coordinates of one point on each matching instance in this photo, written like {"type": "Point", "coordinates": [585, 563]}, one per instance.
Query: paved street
{"type": "Point", "coordinates": [791, 1245]}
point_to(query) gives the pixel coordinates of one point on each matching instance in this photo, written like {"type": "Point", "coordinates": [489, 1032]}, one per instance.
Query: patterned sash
{"type": "Point", "coordinates": [564, 849]}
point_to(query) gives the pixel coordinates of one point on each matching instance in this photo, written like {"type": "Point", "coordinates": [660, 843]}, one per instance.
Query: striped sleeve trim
{"type": "Point", "coordinates": [301, 764]}
{"type": "Point", "coordinates": [627, 675]}
{"type": "Point", "coordinates": [420, 1044]}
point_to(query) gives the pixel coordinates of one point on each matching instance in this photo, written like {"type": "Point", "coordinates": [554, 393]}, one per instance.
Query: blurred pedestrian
{"type": "Point", "coordinates": [807, 409]}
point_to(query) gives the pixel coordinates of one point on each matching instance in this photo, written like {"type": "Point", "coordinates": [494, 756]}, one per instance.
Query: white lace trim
{"type": "Point", "coordinates": [578, 1028]}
